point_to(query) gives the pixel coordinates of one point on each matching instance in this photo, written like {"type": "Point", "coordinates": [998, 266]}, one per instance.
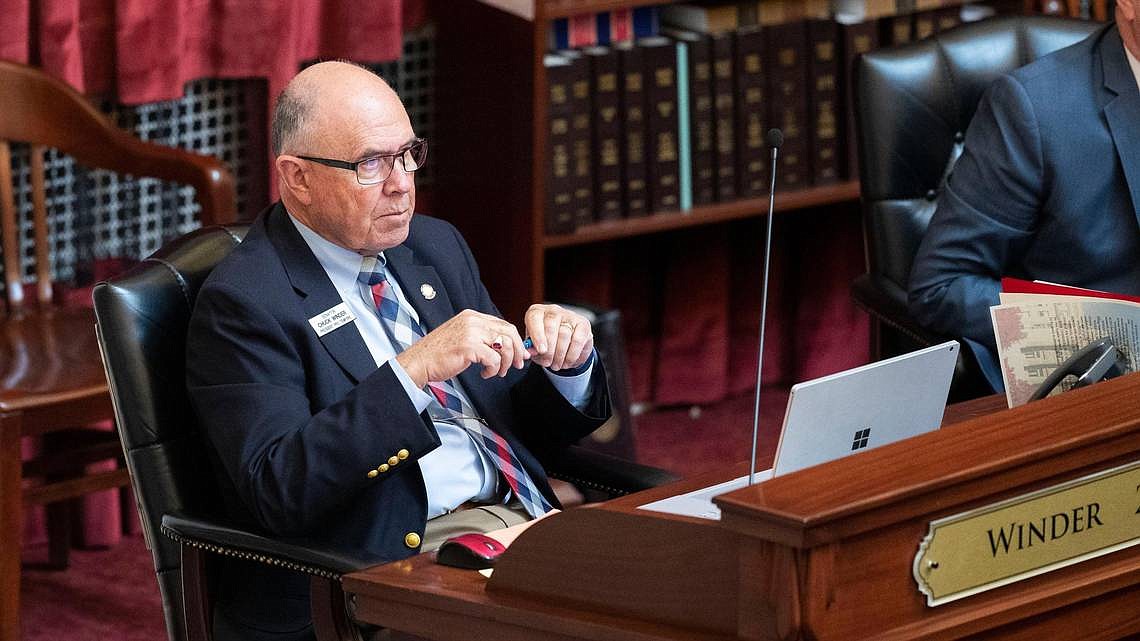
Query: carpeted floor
{"type": "Point", "coordinates": [106, 595]}
{"type": "Point", "coordinates": [111, 595]}
{"type": "Point", "coordinates": [693, 440]}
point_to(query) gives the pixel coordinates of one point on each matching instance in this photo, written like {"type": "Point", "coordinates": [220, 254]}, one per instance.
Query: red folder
{"type": "Point", "coordinates": [1019, 286]}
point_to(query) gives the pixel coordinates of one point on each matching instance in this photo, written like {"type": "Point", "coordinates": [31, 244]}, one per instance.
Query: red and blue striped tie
{"type": "Point", "coordinates": [450, 405]}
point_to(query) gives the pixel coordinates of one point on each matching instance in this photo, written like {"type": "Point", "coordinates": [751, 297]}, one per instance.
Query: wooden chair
{"type": "Point", "coordinates": [51, 376]}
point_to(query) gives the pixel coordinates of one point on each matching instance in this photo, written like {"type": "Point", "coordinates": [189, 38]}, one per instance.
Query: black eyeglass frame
{"type": "Point", "coordinates": [352, 166]}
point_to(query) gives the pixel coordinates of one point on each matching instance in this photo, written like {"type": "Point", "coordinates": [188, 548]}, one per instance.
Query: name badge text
{"type": "Point", "coordinates": [331, 319]}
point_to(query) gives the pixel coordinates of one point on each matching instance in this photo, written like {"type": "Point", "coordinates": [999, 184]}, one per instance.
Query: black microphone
{"type": "Point", "coordinates": [775, 138]}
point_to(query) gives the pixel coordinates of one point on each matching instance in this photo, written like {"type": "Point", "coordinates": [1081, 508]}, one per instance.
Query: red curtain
{"type": "Point", "coordinates": [690, 303]}
{"type": "Point", "coordinates": [143, 51]}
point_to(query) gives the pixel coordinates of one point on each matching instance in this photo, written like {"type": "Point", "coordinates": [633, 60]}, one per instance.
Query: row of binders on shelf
{"type": "Point", "coordinates": [672, 114]}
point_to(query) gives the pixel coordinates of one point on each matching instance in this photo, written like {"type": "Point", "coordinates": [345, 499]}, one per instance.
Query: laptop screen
{"type": "Point", "coordinates": [862, 408]}
{"type": "Point", "coordinates": [834, 416]}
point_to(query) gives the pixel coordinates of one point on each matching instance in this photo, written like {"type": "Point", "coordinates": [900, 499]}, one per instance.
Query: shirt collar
{"type": "Point", "coordinates": [342, 265]}
{"type": "Point", "coordinates": [1134, 64]}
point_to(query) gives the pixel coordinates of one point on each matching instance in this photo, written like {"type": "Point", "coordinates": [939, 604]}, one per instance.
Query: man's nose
{"type": "Point", "coordinates": [399, 180]}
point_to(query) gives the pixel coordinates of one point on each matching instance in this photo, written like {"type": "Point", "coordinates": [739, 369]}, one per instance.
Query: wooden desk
{"type": "Point", "coordinates": [824, 553]}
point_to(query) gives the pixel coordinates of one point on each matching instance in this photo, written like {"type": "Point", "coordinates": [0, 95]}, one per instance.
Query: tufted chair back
{"type": "Point", "coordinates": [913, 105]}
{"type": "Point", "coordinates": [142, 320]}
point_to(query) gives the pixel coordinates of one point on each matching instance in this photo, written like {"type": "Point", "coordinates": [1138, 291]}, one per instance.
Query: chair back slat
{"type": "Point", "coordinates": [39, 226]}
{"type": "Point", "coordinates": [42, 110]}
{"type": "Point", "coordinates": [48, 114]}
{"type": "Point", "coordinates": [13, 287]}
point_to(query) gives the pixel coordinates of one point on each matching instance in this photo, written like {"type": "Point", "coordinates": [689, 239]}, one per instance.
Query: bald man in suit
{"type": "Point", "coordinates": [357, 384]}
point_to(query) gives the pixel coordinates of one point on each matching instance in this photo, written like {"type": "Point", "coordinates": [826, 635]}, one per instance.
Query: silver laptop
{"type": "Point", "coordinates": [844, 413]}
{"type": "Point", "coordinates": [858, 409]}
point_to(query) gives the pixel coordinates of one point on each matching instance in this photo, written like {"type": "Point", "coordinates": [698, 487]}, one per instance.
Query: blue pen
{"type": "Point", "coordinates": [527, 343]}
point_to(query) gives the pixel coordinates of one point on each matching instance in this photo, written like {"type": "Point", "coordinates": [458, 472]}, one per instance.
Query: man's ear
{"type": "Point", "coordinates": [294, 178]}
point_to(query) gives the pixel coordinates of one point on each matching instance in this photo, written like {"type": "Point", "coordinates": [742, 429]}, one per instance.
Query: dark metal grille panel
{"type": "Point", "coordinates": [412, 76]}
{"type": "Point", "coordinates": [95, 214]}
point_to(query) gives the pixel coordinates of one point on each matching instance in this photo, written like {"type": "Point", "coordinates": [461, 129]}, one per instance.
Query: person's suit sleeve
{"type": "Point", "coordinates": [984, 219]}
{"type": "Point", "coordinates": [291, 467]}
{"type": "Point", "coordinates": [546, 419]}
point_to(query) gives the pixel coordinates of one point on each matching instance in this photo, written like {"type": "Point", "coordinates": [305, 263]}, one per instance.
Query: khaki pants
{"type": "Point", "coordinates": [482, 518]}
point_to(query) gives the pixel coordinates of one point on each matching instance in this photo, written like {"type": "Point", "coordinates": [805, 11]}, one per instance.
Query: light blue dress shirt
{"type": "Point", "coordinates": [457, 471]}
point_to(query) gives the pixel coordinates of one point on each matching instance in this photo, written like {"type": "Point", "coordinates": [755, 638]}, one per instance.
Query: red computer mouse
{"type": "Point", "coordinates": [471, 551]}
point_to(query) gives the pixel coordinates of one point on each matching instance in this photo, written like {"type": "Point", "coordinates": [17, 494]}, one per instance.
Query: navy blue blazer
{"type": "Point", "coordinates": [297, 421]}
{"type": "Point", "coordinates": [1048, 188]}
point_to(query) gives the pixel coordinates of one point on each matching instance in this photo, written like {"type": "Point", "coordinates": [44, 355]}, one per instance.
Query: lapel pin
{"type": "Point", "coordinates": [427, 291]}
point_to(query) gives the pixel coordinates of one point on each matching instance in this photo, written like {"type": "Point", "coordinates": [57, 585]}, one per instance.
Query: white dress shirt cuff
{"type": "Point", "coordinates": [419, 398]}
{"type": "Point", "coordinates": [575, 388]}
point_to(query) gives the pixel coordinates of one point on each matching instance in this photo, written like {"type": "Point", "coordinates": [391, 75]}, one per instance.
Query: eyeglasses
{"type": "Point", "coordinates": [376, 169]}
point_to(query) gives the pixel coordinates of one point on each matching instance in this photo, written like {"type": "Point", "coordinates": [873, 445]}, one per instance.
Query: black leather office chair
{"type": "Point", "coordinates": [142, 320]}
{"type": "Point", "coordinates": [913, 106]}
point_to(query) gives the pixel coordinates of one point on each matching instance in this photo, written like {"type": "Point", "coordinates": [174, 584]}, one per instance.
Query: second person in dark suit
{"type": "Point", "coordinates": [1047, 188]}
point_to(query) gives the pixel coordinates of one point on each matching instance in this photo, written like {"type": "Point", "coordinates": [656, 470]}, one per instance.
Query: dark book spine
{"type": "Point", "coordinates": [635, 195]}
{"type": "Point", "coordinates": [751, 113]}
{"type": "Point", "coordinates": [925, 24]}
{"type": "Point", "coordinates": [824, 101]}
{"type": "Point", "coordinates": [947, 18]}
{"type": "Point", "coordinates": [786, 46]}
{"type": "Point", "coordinates": [559, 34]}
{"type": "Point", "coordinates": [897, 29]}
{"type": "Point", "coordinates": [606, 134]}
{"type": "Point", "coordinates": [724, 113]}
{"type": "Point", "coordinates": [857, 39]}
{"type": "Point", "coordinates": [646, 22]}
{"type": "Point", "coordinates": [581, 160]}
{"type": "Point", "coordinates": [661, 125]}
{"type": "Point", "coordinates": [747, 13]}
{"type": "Point", "coordinates": [702, 117]}
{"type": "Point", "coordinates": [559, 183]}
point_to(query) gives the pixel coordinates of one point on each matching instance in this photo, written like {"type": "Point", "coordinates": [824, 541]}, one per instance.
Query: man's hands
{"type": "Point", "coordinates": [562, 339]}
{"type": "Point", "coordinates": [464, 340]}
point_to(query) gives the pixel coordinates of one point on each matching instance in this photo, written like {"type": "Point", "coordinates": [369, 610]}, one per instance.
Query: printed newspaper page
{"type": "Point", "coordinates": [1036, 332]}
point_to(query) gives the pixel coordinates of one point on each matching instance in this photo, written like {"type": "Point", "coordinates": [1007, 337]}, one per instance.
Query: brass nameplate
{"type": "Point", "coordinates": [1029, 535]}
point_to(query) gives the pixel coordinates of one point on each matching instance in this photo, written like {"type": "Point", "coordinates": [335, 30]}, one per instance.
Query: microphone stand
{"type": "Point", "coordinates": [775, 139]}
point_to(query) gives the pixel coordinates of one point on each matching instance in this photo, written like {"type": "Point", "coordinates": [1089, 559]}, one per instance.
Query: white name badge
{"type": "Point", "coordinates": [331, 319]}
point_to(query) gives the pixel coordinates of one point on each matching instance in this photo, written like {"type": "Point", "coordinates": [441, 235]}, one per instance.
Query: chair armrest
{"type": "Point", "coordinates": [218, 538]}
{"type": "Point", "coordinates": [590, 470]}
{"type": "Point", "coordinates": [584, 468]}
{"type": "Point", "coordinates": [886, 301]}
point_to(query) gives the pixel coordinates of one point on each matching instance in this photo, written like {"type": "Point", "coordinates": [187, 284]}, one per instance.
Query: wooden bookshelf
{"type": "Point", "coordinates": [491, 105]}
{"type": "Point", "coordinates": [552, 9]}
{"type": "Point", "coordinates": [718, 213]}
